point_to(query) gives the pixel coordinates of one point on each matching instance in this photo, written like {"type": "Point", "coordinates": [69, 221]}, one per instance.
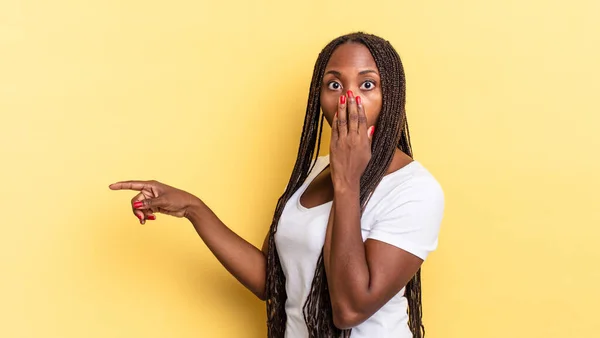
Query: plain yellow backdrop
{"type": "Point", "coordinates": [209, 96]}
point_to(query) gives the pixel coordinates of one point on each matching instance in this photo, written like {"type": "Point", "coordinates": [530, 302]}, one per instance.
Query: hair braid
{"type": "Point", "coordinates": [393, 133]}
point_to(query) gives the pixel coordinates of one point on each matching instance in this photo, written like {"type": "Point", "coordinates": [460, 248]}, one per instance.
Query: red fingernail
{"type": "Point", "coordinates": [139, 216]}
{"type": "Point", "coordinates": [349, 93]}
{"type": "Point", "coordinates": [358, 100]}
{"type": "Point", "coordinates": [151, 217]}
{"type": "Point", "coordinates": [138, 204]}
{"type": "Point", "coordinates": [343, 99]}
{"type": "Point", "coordinates": [372, 130]}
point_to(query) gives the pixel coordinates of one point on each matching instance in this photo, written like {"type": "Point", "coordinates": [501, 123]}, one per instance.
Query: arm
{"type": "Point", "coordinates": [362, 277]}
{"type": "Point", "coordinates": [243, 260]}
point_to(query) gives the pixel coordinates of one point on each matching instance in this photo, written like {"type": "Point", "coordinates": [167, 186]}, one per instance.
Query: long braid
{"type": "Point", "coordinates": [392, 133]}
{"type": "Point", "coordinates": [275, 288]}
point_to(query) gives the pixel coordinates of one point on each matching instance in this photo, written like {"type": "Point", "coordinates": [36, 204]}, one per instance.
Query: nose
{"type": "Point", "coordinates": [352, 90]}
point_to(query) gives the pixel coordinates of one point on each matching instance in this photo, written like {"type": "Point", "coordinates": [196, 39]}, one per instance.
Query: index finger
{"type": "Point", "coordinates": [130, 185]}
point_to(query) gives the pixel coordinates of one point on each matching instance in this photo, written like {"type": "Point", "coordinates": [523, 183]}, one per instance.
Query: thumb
{"type": "Point", "coordinates": [150, 203]}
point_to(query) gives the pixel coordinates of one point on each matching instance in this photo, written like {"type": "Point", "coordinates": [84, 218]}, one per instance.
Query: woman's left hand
{"type": "Point", "coordinates": [350, 142]}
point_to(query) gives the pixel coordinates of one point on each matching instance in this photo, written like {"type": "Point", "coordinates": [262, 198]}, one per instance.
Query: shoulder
{"type": "Point", "coordinates": [410, 197]}
{"type": "Point", "coordinates": [407, 209]}
{"type": "Point", "coordinates": [411, 184]}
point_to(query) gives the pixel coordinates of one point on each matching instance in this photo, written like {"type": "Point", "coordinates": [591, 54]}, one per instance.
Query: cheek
{"type": "Point", "coordinates": [372, 109]}
{"type": "Point", "coordinates": [329, 106]}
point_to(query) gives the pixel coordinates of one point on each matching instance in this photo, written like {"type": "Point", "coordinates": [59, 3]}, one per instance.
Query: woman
{"type": "Point", "coordinates": [351, 230]}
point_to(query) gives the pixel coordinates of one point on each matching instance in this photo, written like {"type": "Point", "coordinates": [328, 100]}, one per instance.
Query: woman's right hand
{"type": "Point", "coordinates": [242, 259]}
{"type": "Point", "coordinates": [156, 197]}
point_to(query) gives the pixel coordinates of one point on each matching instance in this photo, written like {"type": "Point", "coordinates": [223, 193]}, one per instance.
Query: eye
{"type": "Point", "coordinates": [333, 85]}
{"type": "Point", "coordinates": [368, 85]}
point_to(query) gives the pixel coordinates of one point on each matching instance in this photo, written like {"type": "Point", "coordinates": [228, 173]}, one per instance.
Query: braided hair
{"type": "Point", "coordinates": [393, 133]}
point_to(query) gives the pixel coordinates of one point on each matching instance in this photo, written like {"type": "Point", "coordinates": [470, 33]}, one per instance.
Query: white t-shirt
{"type": "Point", "coordinates": [405, 210]}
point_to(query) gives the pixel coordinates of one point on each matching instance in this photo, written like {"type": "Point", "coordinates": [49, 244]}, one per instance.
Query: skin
{"type": "Point", "coordinates": [362, 276]}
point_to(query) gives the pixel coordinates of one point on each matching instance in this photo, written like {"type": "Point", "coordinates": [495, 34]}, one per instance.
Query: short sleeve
{"type": "Point", "coordinates": [410, 218]}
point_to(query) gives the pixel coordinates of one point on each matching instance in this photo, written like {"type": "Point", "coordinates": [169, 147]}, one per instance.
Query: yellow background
{"type": "Point", "coordinates": [209, 96]}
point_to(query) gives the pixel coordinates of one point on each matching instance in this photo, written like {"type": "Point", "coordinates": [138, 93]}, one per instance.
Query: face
{"type": "Point", "coordinates": [351, 67]}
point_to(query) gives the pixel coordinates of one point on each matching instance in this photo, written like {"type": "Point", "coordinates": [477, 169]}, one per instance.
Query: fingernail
{"type": "Point", "coordinates": [138, 204]}
{"type": "Point", "coordinates": [349, 93]}
{"type": "Point", "coordinates": [151, 217]}
{"type": "Point", "coordinates": [358, 100]}
{"type": "Point", "coordinates": [343, 99]}
{"type": "Point", "coordinates": [372, 130]}
{"type": "Point", "coordinates": [139, 216]}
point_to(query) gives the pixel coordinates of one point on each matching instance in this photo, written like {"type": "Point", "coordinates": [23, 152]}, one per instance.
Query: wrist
{"type": "Point", "coordinates": [346, 186]}
{"type": "Point", "coordinates": [194, 209]}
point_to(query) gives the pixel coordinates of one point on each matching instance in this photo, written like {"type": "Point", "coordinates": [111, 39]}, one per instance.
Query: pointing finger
{"type": "Point", "coordinates": [131, 185]}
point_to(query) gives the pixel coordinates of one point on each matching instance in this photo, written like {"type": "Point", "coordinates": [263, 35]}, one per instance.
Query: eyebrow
{"type": "Point", "coordinates": [362, 72]}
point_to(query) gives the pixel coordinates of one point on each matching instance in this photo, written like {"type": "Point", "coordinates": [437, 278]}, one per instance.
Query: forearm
{"type": "Point", "coordinates": [242, 259]}
{"type": "Point", "coordinates": [347, 268]}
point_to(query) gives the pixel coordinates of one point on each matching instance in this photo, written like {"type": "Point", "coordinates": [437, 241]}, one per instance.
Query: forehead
{"type": "Point", "coordinates": [351, 55]}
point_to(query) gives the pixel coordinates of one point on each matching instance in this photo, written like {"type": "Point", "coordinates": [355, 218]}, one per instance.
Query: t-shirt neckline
{"type": "Point", "coordinates": [325, 163]}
